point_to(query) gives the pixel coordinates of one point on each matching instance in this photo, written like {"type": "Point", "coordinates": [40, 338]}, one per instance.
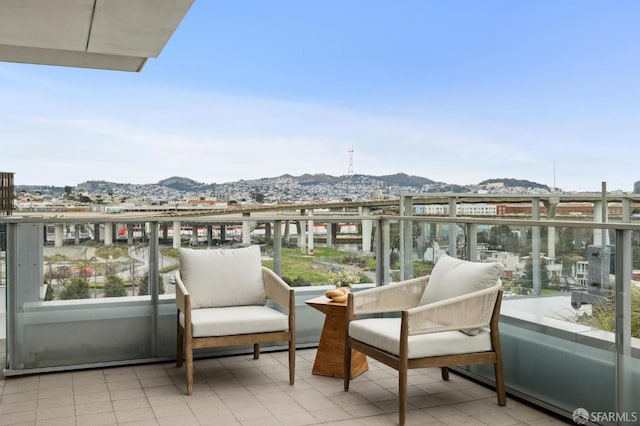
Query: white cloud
{"type": "Point", "coordinates": [59, 136]}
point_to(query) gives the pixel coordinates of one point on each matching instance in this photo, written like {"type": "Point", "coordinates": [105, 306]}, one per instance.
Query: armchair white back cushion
{"type": "Point", "coordinates": [223, 277]}
{"type": "Point", "coordinates": [453, 277]}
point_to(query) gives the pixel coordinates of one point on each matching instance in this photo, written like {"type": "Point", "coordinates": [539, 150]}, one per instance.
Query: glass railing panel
{"type": "Point", "coordinates": [312, 254]}
{"type": "Point", "coordinates": [556, 348]}
{"type": "Point", "coordinates": [77, 300]}
{"type": "Point", "coordinates": [3, 282]}
{"type": "Point", "coordinates": [559, 309]}
{"type": "Point", "coordinates": [82, 266]}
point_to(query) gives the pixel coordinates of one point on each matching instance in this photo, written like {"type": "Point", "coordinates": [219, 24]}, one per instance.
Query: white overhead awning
{"type": "Point", "coordinates": [103, 34]}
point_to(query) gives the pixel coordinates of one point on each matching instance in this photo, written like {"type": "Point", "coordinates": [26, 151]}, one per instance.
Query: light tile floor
{"type": "Point", "coordinates": [241, 391]}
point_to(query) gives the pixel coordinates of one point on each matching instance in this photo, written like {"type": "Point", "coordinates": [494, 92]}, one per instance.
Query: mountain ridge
{"type": "Point", "coordinates": [397, 181]}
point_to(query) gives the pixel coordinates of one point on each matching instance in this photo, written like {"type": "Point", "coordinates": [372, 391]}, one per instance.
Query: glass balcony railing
{"type": "Point", "coordinates": [101, 291]}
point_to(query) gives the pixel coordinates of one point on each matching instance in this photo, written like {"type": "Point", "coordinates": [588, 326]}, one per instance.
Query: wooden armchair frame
{"type": "Point", "coordinates": [275, 288]}
{"type": "Point", "coordinates": [409, 293]}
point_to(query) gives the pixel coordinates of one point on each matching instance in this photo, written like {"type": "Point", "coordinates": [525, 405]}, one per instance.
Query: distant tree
{"type": "Point", "coordinates": [49, 293]}
{"type": "Point", "coordinates": [67, 190]}
{"type": "Point", "coordinates": [296, 281]}
{"type": "Point", "coordinates": [114, 287]}
{"type": "Point", "coordinates": [565, 242]}
{"type": "Point", "coordinates": [59, 273]}
{"type": "Point", "coordinates": [636, 257]}
{"type": "Point", "coordinates": [143, 285]}
{"type": "Point", "coordinates": [501, 237]}
{"type": "Point", "coordinates": [527, 279]}
{"type": "Point", "coordinates": [77, 288]}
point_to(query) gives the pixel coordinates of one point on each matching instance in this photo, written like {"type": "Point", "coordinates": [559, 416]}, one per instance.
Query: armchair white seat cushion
{"type": "Point", "coordinates": [384, 333]}
{"type": "Point", "coordinates": [227, 321]}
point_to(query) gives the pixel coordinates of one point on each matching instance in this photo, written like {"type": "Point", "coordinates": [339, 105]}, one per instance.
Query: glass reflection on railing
{"type": "Point", "coordinates": [77, 265]}
{"type": "Point", "coordinates": [576, 263]}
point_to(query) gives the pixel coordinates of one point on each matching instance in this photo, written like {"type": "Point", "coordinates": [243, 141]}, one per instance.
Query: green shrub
{"type": "Point", "coordinates": [364, 278]}
{"type": "Point", "coordinates": [296, 282]}
{"type": "Point", "coordinates": [49, 293]}
{"type": "Point", "coordinates": [114, 287]}
{"type": "Point", "coordinates": [143, 285]}
{"type": "Point", "coordinates": [355, 260]}
{"type": "Point", "coordinates": [604, 315]}
{"type": "Point", "coordinates": [344, 278]}
{"type": "Point", "coordinates": [77, 288]}
{"type": "Point", "coordinates": [113, 251]}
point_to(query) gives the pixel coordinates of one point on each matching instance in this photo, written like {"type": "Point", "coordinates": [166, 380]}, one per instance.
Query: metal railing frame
{"type": "Point", "coordinates": [622, 230]}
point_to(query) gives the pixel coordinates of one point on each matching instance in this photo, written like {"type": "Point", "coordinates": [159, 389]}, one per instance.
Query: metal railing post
{"type": "Point", "coordinates": [153, 284]}
{"type": "Point", "coordinates": [277, 246]}
{"type": "Point", "coordinates": [406, 238]}
{"type": "Point", "coordinates": [381, 246]}
{"type": "Point", "coordinates": [624, 266]}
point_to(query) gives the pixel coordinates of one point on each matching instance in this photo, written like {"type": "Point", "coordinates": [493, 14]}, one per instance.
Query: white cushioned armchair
{"type": "Point", "coordinates": [449, 318]}
{"type": "Point", "coordinates": [221, 297]}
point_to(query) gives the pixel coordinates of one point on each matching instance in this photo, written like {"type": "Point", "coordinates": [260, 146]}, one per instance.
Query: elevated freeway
{"type": "Point", "coordinates": [392, 204]}
{"type": "Point", "coordinates": [564, 205]}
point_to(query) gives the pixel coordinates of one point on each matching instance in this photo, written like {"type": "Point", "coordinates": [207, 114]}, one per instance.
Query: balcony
{"type": "Point", "coordinates": [238, 390]}
{"type": "Point", "coordinates": [556, 359]}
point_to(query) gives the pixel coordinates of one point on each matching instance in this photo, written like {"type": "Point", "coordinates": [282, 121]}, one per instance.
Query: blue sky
{"type": "Point", "coordinates": [455, 91]}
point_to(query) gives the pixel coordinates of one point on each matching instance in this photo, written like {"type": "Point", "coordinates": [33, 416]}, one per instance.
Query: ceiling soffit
{"type": "Point", "coordinates": [103, 34]}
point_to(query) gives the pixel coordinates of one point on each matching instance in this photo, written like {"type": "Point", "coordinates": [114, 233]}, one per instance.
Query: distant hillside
{"type": "Point", "coordinates": [398, 179]}
{"type": "Point", "coordinates": [40, 189]}
{"type": "Point", "coordinates": [185, 184]}
{"type": "Point", "coordinates": [515, 183]}
{"type": "Point", "coordinates": [402, 179]}
{"type": "Point", "coordinates": [391, 184]}
{"type": "Point", "coordinates": [308, 179]}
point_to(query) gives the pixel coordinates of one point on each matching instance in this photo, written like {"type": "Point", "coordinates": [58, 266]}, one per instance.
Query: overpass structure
{"type": "Point", "coordinates": [551, 205]}
{"type": "Point", "coordinates": [592, 207]}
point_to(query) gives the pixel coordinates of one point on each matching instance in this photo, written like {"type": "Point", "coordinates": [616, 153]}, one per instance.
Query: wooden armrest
{"type": "Point", "coordinates": [276, 288]}
{"type": "Point", "coordinates": [182, 294]}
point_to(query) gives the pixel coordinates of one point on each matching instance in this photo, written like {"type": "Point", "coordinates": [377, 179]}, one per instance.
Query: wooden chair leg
{"type": "Point", "coordinates": [500, 390]}
{"type": "Point", "coordinates": [179, 345]}
{"type": "Point", "coordinates": [292, 360]}
{"type": "Point", "coordinates": [256, 350]}
{"type": "Point", "coordinates": [189, 366]}
{"type": "Point", "coordinates": [444, 371]}
{"type": "Point", "coordinates": [402, 394]}
{"type": "Point", "coordinates": [347, 367]}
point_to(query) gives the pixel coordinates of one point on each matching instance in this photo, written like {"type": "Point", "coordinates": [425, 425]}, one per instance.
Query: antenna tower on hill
{"type": "Point", "coordinates": [350, 172]}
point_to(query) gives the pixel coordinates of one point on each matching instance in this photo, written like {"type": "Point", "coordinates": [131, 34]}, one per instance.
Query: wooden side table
{"type": "Point", "coordinates": [330, 355]}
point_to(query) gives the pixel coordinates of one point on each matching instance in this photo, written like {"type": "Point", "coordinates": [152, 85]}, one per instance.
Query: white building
{"type": "Point", "coordinates": [461, 209]}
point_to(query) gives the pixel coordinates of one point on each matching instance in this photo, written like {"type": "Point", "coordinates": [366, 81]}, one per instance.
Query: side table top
{"type": "Point", "coordinates": [326, 305]}
{"type": "Point", "coordinates": [323, 300]}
